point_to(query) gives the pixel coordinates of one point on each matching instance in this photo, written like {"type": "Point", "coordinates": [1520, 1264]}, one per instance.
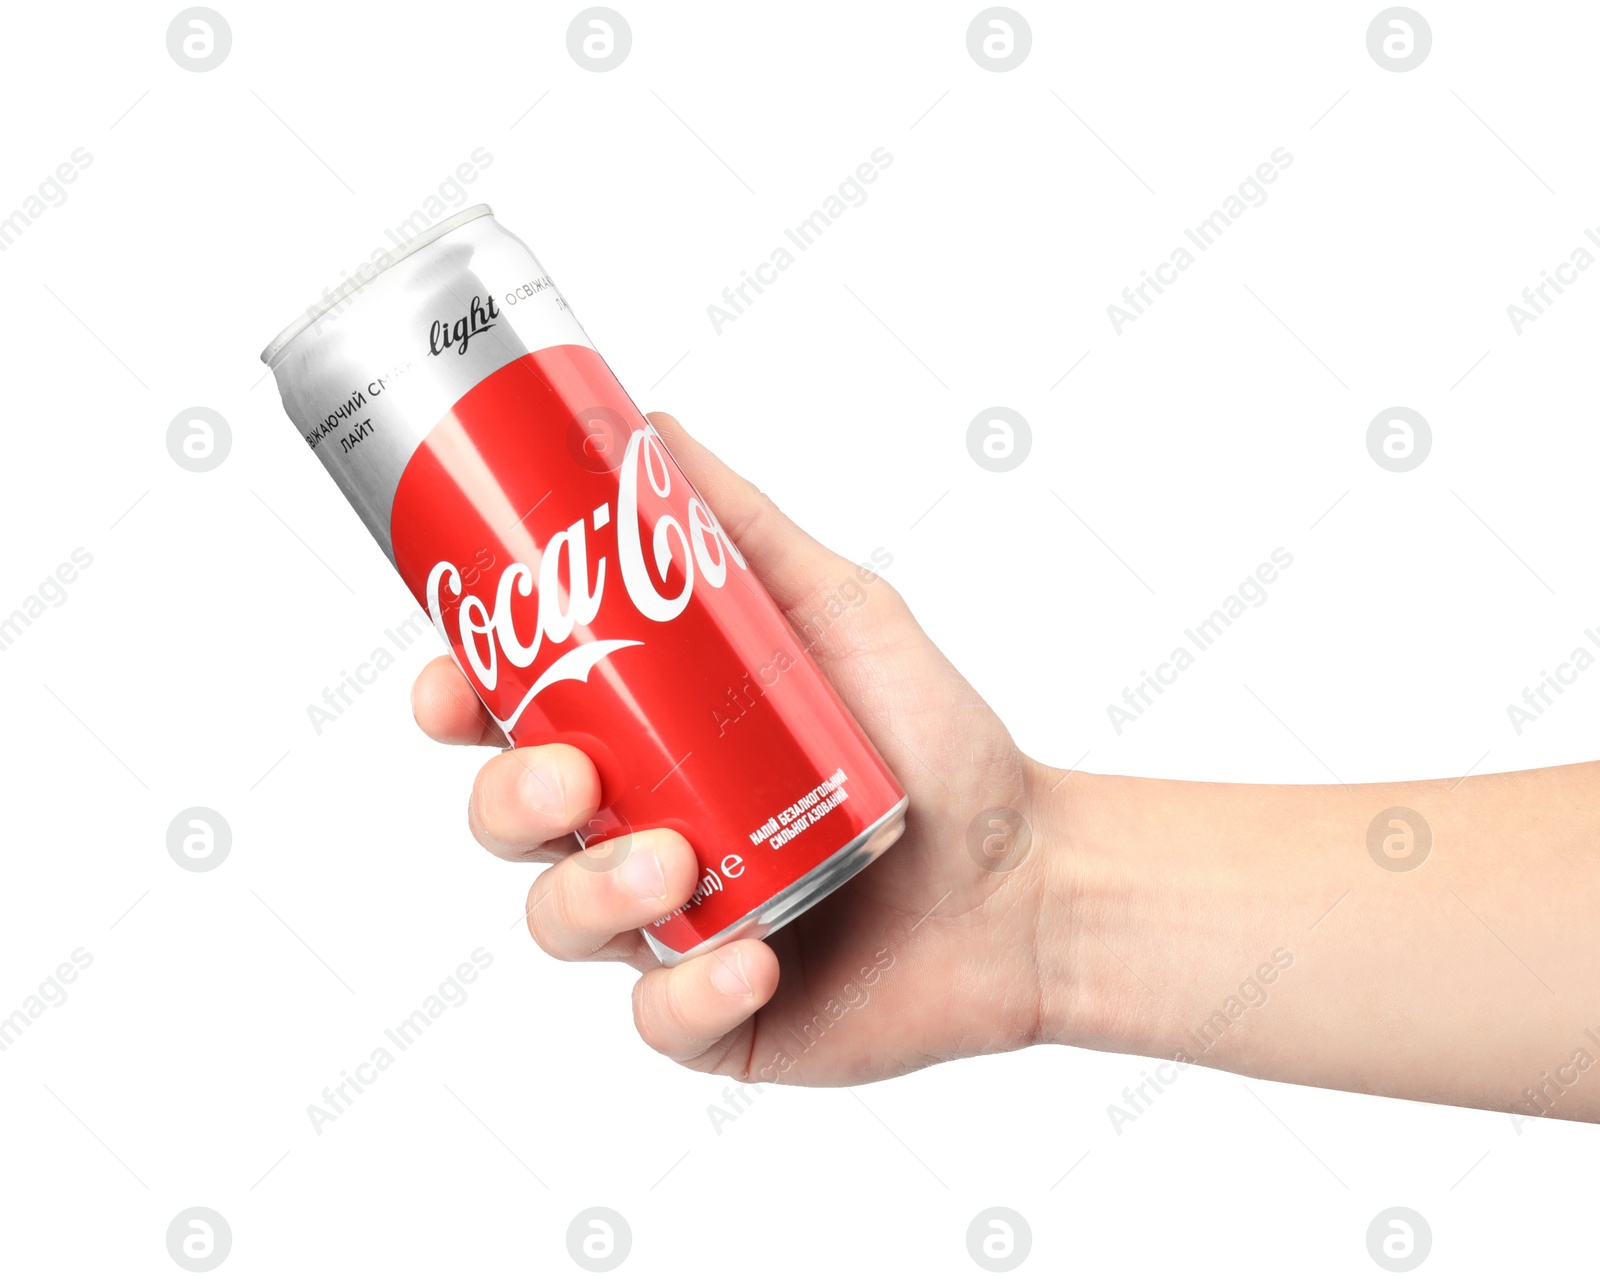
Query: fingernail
{"type": "Point", "coordinates": [541, 788]}
{"type": "Point", "coordinates": [729, 978]}
{"type": "Point", "coordinates": [641, 872]}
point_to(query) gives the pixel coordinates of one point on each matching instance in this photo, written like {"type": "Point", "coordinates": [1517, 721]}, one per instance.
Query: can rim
{"type": "Point", "coordinates": [353, 285]}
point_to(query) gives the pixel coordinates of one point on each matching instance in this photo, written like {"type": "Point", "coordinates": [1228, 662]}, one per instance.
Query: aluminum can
{"type": "Point", "coordinates": [589, 594]}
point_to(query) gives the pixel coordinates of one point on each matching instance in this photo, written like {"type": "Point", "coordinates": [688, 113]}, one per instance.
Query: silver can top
{"type": "Point", "coordinates": [368, 373]}
{"type": "Point", "coordinates": [338, 299]}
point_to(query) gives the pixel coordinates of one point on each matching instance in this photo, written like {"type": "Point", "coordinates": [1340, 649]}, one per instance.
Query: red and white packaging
{"type": "Point", "coordinates": [584, 587]}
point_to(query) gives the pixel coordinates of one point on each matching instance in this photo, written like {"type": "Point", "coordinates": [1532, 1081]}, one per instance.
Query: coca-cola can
{"type": "Point", "coordinates": [588, 593]}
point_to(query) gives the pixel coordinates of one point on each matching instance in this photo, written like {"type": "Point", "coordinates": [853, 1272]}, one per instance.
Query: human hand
{"type": "Point", "coordinates": [931, 953]}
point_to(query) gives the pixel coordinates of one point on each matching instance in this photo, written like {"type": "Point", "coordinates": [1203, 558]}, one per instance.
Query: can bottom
{"type": "Point", "coordinates": [809, 890]}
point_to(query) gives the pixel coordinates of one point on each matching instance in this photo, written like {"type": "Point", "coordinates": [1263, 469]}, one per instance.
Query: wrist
{"type": "Point", "coordinates": [1173, 914]}
{"type": "Point", "coordinates": [1095, 908]}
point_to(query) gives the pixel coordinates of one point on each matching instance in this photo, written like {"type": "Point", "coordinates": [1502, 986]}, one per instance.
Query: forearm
{"type": "Point", "coordinates": [1250, 928]}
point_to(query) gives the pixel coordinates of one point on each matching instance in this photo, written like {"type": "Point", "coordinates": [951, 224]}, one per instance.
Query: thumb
{"type": "Point", "coordinates": [791, 564]}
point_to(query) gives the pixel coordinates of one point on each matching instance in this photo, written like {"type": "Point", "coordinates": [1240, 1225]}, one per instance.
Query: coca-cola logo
{"type": "Point", "coordinates": [570, 583]}
{"type": "Point", "coordinates": [479, 317]}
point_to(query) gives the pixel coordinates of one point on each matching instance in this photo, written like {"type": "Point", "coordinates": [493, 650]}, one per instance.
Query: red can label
{"type": "Point", "coordinates": [593, 598]}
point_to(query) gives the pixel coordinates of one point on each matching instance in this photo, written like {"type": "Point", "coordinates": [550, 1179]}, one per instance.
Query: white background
{"type": "Point", "coordinates": [1229, 420]}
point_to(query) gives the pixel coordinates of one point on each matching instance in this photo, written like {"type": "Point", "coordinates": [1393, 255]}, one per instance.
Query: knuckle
{"type": "Point", "coordinates": [728, 1056]}
{"type": "Point", "coordinates": [655, 1010]}
{"type": "Point", "coordinates": [883, 597]}
{"type": "Point", "coordinates": [553, 918]}
{"type": "Point", "coordinates": [475, 820]}
{"type": "Point", "coordinates": [487, 802]}
{"type": "Point", "coordinates": [761, 510]}
{"type": "Point", "coordinates": [643, 1016]}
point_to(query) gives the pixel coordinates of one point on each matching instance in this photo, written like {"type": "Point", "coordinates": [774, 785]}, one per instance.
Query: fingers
{"type": "Point", "coordinates": [577, 908]}
{"type": "Point", "coordinates": [524, 800]}
{"type": "Point", "coordinates": [591, 907]}
{"type": "Point", "coordinates": [447, 709]}
{"type": "Point", "coordinates": [693, 1012]}
{"type": "Point", "coordinates": [792, 564]}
